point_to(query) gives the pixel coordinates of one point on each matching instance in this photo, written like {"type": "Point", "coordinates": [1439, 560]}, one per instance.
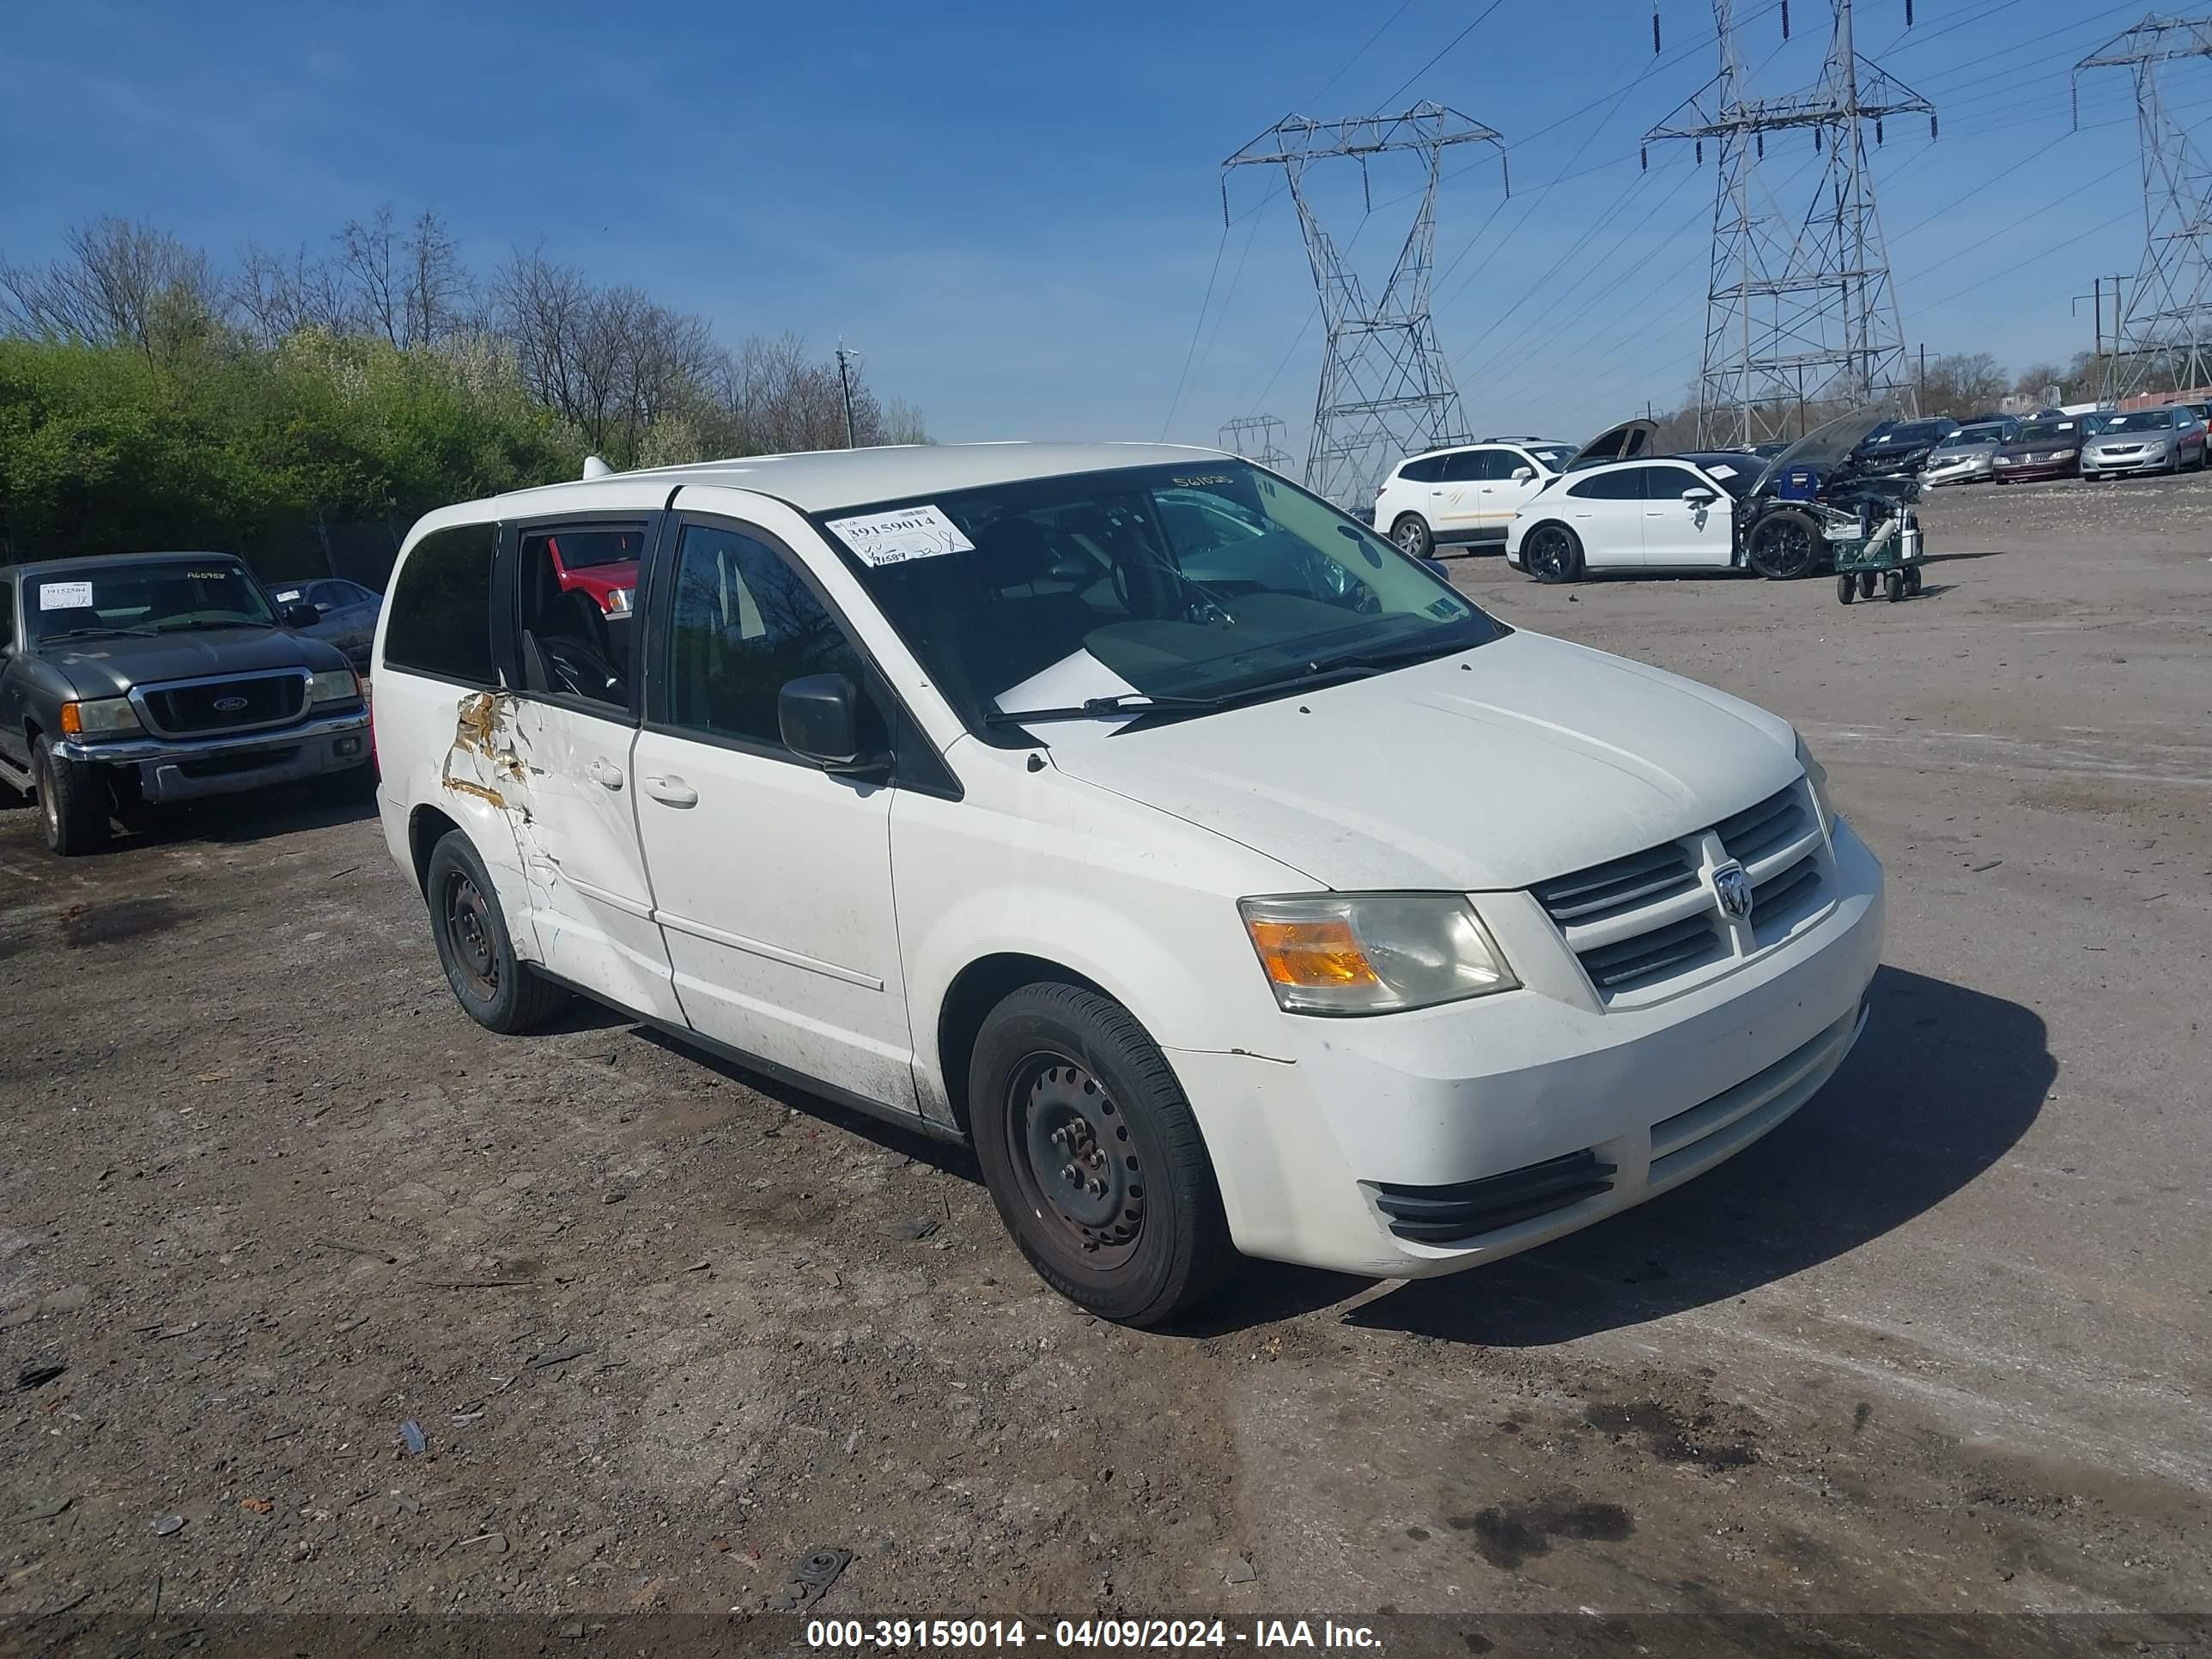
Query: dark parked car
{"type": "Point", "coordinates": [1899, 449]}
{"type": "Point", "coordinates": [2042, 449]}
{"type": "Point", "coordinates": [162, 677]}
{"type": "Point", "coordinates": [346, 613]}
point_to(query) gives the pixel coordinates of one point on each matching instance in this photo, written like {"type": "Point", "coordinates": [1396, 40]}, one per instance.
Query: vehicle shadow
{"type": "Point", "coordinates": [1944, 1081]}
{"type": "Point", "coordinates": [236, 820]}
{"type": "Point", "coordinates": [1945, 558]}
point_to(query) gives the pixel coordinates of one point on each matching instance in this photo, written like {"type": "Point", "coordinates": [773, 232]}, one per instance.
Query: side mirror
{"type": "Point", "coordinates": [822, 718]}
{"type": "Point", "coordinates": [1700, 497]}
{"type": "Point", "coordinates": [300, 615]}
{"type": "Point", "coordinates": [1523, 474]}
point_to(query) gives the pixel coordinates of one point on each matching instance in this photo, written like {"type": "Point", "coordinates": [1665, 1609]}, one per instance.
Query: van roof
{"type": "Point", "coordinates": [824, 480]}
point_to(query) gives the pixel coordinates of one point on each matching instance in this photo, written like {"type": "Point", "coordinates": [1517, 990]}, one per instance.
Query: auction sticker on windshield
{"type": "Point", "coordinates": [64, 596]}
{"type": "Point", "coordinates": [912, 532]}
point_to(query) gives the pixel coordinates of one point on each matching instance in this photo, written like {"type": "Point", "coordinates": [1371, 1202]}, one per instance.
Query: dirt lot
{"type": "Point", "coordinates": [1941, 1344]}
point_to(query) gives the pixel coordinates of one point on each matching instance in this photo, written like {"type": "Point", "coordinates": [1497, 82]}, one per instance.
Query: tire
{"type": "Point", "coordinates": [1913, 581]}
{"type": "Point", "coordinates": [1847, 588]}
{"type": "Point", "coordinates": [74, 802]}
{"type": "Point", "coordinates": [498, 990]}
{"type": "Point", "coordinates": [1412, 533]}
{"type": "Point", "coordinates": [1552, 553]}
{"type": "Point", "coordinates": [1785, 546]}
{"type": "Point", "coordinates": [1866, 584]}
{"type": "Point", "coordinates": [1138, 1235]}
{"type": "Point", "coordinates": [1893, 585]}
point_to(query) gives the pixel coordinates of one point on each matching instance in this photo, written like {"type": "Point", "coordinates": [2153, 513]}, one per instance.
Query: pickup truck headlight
{"type": "Point", "coordinates": [333, 685]}
{"type": "Point", "coordinates": [99, 717]}
{"type": "Point", "coordinates": [1817, 776]}
{"type": "Point", "coordinates": [1373, 953]}
{"type": "Point", "coordinates": [619, 601]}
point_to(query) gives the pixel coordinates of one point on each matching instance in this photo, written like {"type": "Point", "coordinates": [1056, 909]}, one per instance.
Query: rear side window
{"type": "Point", "coordinates": [441, 606]}
{"type": "Point", "coordinates": [7, 611]}
{"type": "Point", "coordinates": [1624, 484]}
{"type": "Point", "coordinates": [1429, 469]}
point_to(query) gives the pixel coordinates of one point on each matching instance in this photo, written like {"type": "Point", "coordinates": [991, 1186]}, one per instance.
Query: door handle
{"type": "Point", "coordinates": [605, 773]}
{"type": "Point", "coordinates": [672, 791]}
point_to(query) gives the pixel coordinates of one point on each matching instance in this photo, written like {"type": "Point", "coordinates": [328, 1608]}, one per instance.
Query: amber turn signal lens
{"type": "Point", "coordinates": [72, 720]}
{"type": "Point", "coordinates": [1311, 953]}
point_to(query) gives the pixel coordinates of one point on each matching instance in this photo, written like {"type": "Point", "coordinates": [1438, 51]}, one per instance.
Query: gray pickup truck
{"type": "Point", "coordinates": [164, 677]}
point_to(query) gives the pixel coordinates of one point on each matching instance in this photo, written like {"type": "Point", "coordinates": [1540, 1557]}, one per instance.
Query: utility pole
{"type": "Point", "coordinates": [1386, 388]}
{"type": "Point", "coordinates": [1256, 438]}
{"type": "Point", "coordinates": [1803, 310]}
{"type": "Point", "coordinates": [845, 358]}
{"type": "Point", "coordinates": [2163, 328]}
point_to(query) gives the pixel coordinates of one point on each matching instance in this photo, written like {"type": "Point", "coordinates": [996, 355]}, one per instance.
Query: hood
{"type": "Point", "coordinates": [1491, 770]}
{"type": "Point", "coordinates": [1825, 447]}
{"type": "Point", "coordinates": [1624, 442]}
{"type": "Point", "coordinates": [2149, 434]}
{"type": "Point", "coordinates": [110, 667]}
{"type": "Point", "coordinates": [2073, 439]}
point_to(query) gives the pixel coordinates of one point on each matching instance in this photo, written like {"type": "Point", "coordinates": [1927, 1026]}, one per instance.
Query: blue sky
{"type": "Point", "coordinates": [1015, 211]}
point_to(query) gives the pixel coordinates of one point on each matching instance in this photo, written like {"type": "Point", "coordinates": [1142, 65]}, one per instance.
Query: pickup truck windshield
{"type": "Point", "coordinates": [125, 596]}
{"type": "Point", "coordinates": [1204, 582]}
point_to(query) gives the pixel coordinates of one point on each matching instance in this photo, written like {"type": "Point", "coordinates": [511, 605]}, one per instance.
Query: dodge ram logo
{"type": "Point", "coordinates": [1733, 888]}
{"type": "Point", "coordinates": [228, 705]}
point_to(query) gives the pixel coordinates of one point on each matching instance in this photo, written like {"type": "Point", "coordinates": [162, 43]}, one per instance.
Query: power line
{"type": "Point", "coordinates": [1176, 402]}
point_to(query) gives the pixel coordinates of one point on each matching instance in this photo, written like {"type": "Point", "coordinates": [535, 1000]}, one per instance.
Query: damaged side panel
{"type": "Point", "coordinates": [560, 780]}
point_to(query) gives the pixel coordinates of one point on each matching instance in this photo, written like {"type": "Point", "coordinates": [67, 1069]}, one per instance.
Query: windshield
{"type": "Point", "coordinates": [1733, 472]}
{"type": "Point", "coordinates": [1554, 456]}
{"type": "Point", "coordinates": [1973, 435]}
{"type": "Point", "coordinates": [125, 596]}
{"type": "Point", "coordinates": [1910, 432]}
{"type": "Point", "coordinates": [1211, 581]}
{"type": "Point", "coordinates": [2042, 432]}
{"type": "Point", "coordinates": [2143, 420]}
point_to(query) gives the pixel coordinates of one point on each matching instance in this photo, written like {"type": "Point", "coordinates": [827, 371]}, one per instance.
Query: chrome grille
{"type": "Point", "coordinates": [1642, 922]}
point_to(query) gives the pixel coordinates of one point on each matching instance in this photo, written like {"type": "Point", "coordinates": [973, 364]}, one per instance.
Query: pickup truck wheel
{"type": "Point", "coordinates": [73, 802]}
{"type": "Point", "coordinates": [501, 992]}
{"type": "Point", "coordinates": [1093, 1158]}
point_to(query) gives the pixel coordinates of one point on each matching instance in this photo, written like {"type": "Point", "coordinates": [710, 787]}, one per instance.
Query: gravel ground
{"type": "Point", "coordinates": [1938, 1345]}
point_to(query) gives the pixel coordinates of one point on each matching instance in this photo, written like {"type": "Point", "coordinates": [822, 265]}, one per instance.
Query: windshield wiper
{"type": "Point", "coordinates": [198, 621]}
{"type": "Point", "coordinates": [1100, 708]}
{"type": "Point", "coordinates": [98, 634]}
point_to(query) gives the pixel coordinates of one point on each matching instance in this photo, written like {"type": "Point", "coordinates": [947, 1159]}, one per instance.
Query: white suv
{"type": "Point", "coordinates": [1229, 881]}
{"type": "Point", "coordinates": [1466, 494]}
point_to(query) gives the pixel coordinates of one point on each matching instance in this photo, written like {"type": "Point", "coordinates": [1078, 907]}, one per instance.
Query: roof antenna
{"type": "Point", "coordinates": [596, 468]}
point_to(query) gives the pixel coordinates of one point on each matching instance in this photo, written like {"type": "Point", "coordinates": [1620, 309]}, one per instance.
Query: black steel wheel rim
{"type": "Point", "coordinates": [1788, 549]}
{"type": "Point", "coordinates": [1548, 552]}
{"type": "Point", "coordinates": [469, 932]}
{"type": "Point", "coordinates": [1075, 1161]}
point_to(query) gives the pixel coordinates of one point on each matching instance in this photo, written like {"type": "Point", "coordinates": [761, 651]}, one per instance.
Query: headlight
{"type": "Point", "coordinates": [333, 685]}
{"type": "Point", "coordinates": [1373, 953]}
{"type": "Point", "coordinates": [102, 717]}
{"type": "Point", "coordinates": [1817, 776]}
{"type": "Point", "coordinates": [619, 600]}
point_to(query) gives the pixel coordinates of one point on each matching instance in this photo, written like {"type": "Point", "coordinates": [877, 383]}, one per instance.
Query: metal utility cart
{"type": "Point", "coordinates": [1889, 550]}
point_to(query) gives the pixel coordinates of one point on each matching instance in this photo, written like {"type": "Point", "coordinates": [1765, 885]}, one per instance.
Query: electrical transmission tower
{"type": "Point", "coordinates": [1386, 389]}
{"type": "Point", "coordinates": [2165, 331]}
{"type": "Point", "coordinates": [1796, 313]}
{"type": "Point", "coordinates": [1256, 438]}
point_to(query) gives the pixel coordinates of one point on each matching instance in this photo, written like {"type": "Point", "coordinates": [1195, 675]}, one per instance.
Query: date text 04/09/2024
{"type": "Point", "coordinates": [893, 1635]}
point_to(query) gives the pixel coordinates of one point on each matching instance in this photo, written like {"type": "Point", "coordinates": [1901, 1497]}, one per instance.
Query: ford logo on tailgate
{"type": "Point", "coordinates": [228, 705]}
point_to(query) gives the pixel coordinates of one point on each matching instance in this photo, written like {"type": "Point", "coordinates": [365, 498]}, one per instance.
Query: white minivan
{"type": "Point", "coordinates": [1229, 881]}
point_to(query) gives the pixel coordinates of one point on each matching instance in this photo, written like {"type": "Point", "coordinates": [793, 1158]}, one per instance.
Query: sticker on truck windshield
{"type": "Point", "coordinates": [64, 596]}
{"type": "Point", "coordinates": [912, 532]}
{"type": "Point", "coordinates": [287, 596]}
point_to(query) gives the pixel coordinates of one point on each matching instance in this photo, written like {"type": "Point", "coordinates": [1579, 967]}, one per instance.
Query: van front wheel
{"type": "Point", "coordinates": [1093, 1158]}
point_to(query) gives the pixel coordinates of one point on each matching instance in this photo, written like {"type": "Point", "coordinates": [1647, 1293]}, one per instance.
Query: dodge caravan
{"type": "Point", "coordinates": [1231, 883]}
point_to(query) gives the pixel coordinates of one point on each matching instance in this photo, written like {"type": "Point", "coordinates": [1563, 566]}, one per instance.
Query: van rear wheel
{"type": "Point", "coordinates": [499, 991]}
{"type": "Point", "coordinates": [1093, 1158]}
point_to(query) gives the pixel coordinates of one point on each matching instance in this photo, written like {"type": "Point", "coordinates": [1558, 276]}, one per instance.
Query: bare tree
{"type": "Point", "coordinates": [119, 284]}
{"type": "Point", "coordinates": [273, 297]}
{"type": "Point", "coordinates": [370, 258]}
{"type": "Point", "coordinates": [437, 293]}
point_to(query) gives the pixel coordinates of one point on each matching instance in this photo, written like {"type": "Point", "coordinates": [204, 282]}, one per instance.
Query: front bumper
{"type": "Point", "coordinates": [1969, 471]}
{"type": "Point", "coordinates": [1311, 1150]}
{"type": "Point", "coordinates": [2032, 472]}
{"type": "Point", "coordinates": [2153, 460]}
{"type": "Point", "coordinates": [188, 768]}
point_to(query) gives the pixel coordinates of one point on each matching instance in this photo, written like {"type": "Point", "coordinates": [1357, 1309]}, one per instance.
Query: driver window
{"type": "Point", "coordinates": [571, 645]}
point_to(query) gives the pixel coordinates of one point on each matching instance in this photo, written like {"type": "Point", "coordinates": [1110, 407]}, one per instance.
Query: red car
{"type": "Point", "coordinates": [2047, 448]}
{"type": "Point", "coordinates": [600, 562]}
